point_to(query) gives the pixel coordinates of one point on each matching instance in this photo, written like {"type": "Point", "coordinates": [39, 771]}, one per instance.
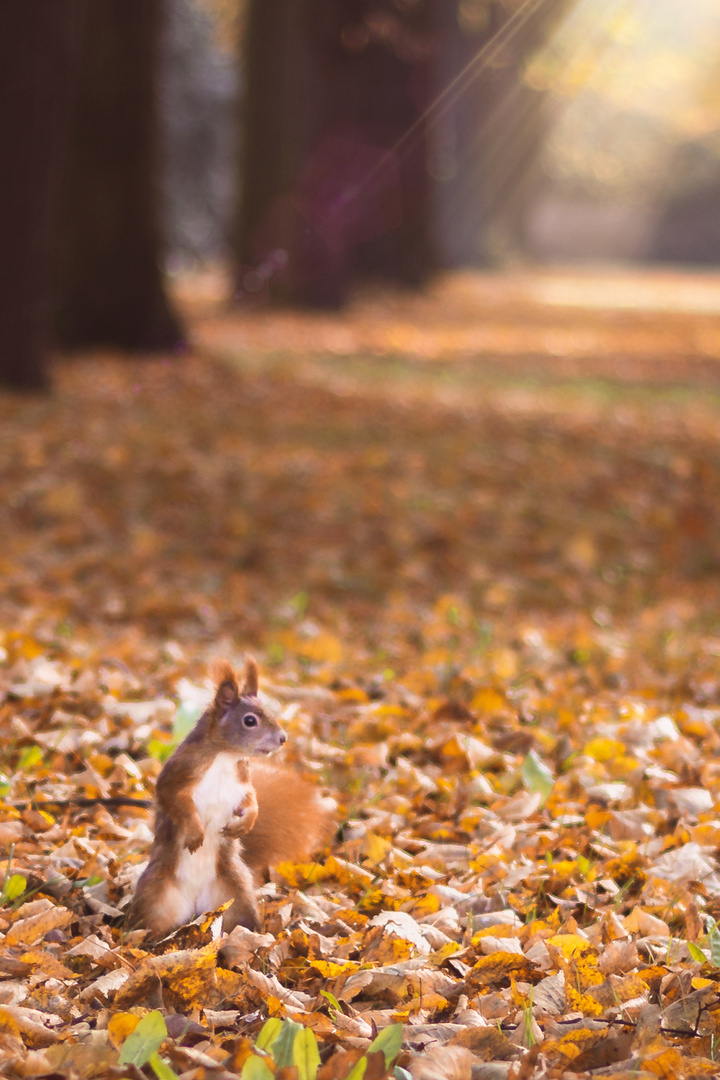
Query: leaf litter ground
{"type": "Point", "coordinates": [472, 538]}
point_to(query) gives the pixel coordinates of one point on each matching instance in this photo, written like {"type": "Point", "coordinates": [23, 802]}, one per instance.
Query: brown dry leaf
{"type": "Point", "coordinates": [81, 1060]}
{"type": "Point", "coordinates": [486, 1043]}
{"type": "Point", "coordinates": [568, 1047]}
{"type": "Point", "coordinates": [33, 1025]}
{"type": "Point", "coordinates": [446, 1063]}
{"type": "Point", "coordinates": [33, 929]}
{"type": "Point", "coordinates": [339, 1065]}
{"type": "Point", "coordinates": [618, 957]}
{"type": "Point", "coordinates": [11, 1041]}
{"type": "Point", "coordinates": [498, 968]}
{"type": "Point", "coordinates": [47, 964]}
{"type": "Point", "coordinates": [617, 989]}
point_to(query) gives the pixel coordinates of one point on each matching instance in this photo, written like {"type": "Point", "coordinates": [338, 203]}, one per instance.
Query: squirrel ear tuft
{"type": "Point", "coordinates": [227, 688]}
{"type": "Point", "coordinates": [250, 687]}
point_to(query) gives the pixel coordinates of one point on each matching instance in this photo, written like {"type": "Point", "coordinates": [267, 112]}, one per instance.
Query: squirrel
{"type": "Point", "coordinates": [222, 820]}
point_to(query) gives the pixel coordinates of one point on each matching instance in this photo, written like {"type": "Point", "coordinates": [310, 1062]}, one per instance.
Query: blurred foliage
{"type": "Point", "coordinates": [632, 82]}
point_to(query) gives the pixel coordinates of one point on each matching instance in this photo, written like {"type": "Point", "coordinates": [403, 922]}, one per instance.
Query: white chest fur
{"type": "Point", "coordinates": [219, 791]}
{"type": "Point", "coordinates": [218, 794]}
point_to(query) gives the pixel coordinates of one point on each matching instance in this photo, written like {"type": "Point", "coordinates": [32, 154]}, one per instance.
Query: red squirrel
{"type": "Point", "coordinates": [208, 797]}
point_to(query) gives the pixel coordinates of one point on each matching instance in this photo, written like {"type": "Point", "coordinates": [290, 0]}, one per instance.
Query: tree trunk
{"type": "Point", "coordinates": [109, 280]}
{"type": "Point", "coordinates": [36, 53]}
{"type": "Point", "coordinates": [278, 252]}
{"type": "Point", "coordinates": [334, 156]}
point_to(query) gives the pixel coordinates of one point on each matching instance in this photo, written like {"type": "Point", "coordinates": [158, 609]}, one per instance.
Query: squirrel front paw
{"type": "Point", "coordinates": [194, 839]}
{"type": "Point", "coordinates": [237, 827]}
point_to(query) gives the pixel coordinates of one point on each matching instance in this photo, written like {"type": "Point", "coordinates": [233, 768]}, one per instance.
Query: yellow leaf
{"type": "Point", "coordinates": [699, 984]}
{"type": "Point", "coordinates": [706, 833]}
{"type": "Point", "coordinates": [428, 1000]}
{"type": "Point", "coordinates": [393, 950]}
{"type": "Point", "coordinates": [391, 711]}
{"type": "Point", "coordinates": [120, 1025]}
{"type": "Point", "coordinates": [298, 875]}
{"type": "Point", "coordinates": [670, 1064]}
{"type": "Point", "coordinates": [353, 694]}
{"type": "Point", "coordinates": [22, 645]}
{"type": "Point", "coordinates": [274, 1006]}
{"type": "Point", "coordinates": [603, 749]}
{"type": "Point", "coordinates": [440, 955]}
{"type": "Point", "coordinates": [375, 848]}
{"type": "Point", "coordinates": [587, 1005]}
{"type": "Point", "coordinates": [499, 967]}
{"type": "Point", "coordinates": [345, 873]}
{"type": "Point", "coordinates": [595, 817]}
{"type": "Point", "coordinates": [470, 819]}
{"type": "Point", "coordinates": [329, 968]}
{"type": "Point", "coordinates": [572, 1044]}
{"type": "Point", "coordinates": [8, 1024]}
{"type": "Point", "coordinates": [570, 945]}
{"type": "Point", "coordinates": [426, 905]}
{"type": "Point", "coordinates": [488, 700]}
{"type": "Point", "coordinates": [352, 917]}
{"type": "Point", "coordinates": [51, 967]}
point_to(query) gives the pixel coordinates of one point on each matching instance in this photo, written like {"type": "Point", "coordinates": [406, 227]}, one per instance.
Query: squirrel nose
{"type": "Point", "coordinates": [283, 738]}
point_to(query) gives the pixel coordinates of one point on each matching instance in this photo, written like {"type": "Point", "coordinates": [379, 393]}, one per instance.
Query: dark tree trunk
{"type": "Point", "coordinates": [36, 54]}
{"type": "Point", "coordinates": [279, 252]}
{"type": "Point", "coordinates": [108, 275]}
{"type": "Point", "coordinates": [335, 182]}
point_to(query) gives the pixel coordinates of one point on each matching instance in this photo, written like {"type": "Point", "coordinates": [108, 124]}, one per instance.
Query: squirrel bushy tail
{"type": "Point", "coordinates": [293, 821]}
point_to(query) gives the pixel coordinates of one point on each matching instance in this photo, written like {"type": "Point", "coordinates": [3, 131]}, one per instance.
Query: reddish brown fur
{"type": "Point", "coordinates": [293, 820]}
{"type": "Point", "coordinates": [282, 817]}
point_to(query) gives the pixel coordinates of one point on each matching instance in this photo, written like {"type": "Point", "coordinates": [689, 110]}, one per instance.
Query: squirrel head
{"type": "Point", "coordinates": [237, 714]}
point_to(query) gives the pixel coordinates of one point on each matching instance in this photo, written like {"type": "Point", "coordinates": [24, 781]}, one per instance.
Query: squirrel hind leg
{"type": "Point", "coordinates": [235, 880]}
{"type": "Point", "coordinates": [161, 910]}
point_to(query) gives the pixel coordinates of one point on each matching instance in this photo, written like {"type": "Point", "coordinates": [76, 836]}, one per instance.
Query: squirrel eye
{"type": "Point", "coordinates": [250, 720]}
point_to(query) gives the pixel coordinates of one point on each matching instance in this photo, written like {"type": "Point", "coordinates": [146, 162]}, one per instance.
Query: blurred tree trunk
{"type": "Point", "coordinates": [335, 182]}
{"type": "Point", "coordinates": [109, 287]}
{"type": "Point", "coordinates": [36, 54]}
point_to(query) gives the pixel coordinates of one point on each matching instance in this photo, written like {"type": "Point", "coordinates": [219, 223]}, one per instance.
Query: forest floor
{"type": "Point", "coordinates": [472, 538]}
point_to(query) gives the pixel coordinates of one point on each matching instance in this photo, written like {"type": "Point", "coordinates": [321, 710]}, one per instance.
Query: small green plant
{"type": "Point", "coordinates": [713, 938]}
{"type": "Point", "coordinates": [696, 952]}
{"type": "Point", "coordinates": [334, 1005]}
{"type": "Point", "coordinates": [142, 1045]}
{"type": "Point", "coordinates": [584, 866]}
{"type": "Point", "coordinates": [537, 777]}
{"type": "Point", "coordinates": [29, 758]}
{"type": "Point", "coordinates": [287, 1045]}
{"type": "Point", "coordinates": [528, 1033]}
{"type": "Point", "coordinates": [13, 885]}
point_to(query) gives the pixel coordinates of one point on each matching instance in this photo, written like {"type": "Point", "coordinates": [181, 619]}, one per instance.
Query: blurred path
{"type": "Point", "coordinates": [488, 333]}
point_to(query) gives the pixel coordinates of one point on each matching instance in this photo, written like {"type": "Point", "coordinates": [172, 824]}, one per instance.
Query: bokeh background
{"type": "Point", "coordinates": [308, 147]}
